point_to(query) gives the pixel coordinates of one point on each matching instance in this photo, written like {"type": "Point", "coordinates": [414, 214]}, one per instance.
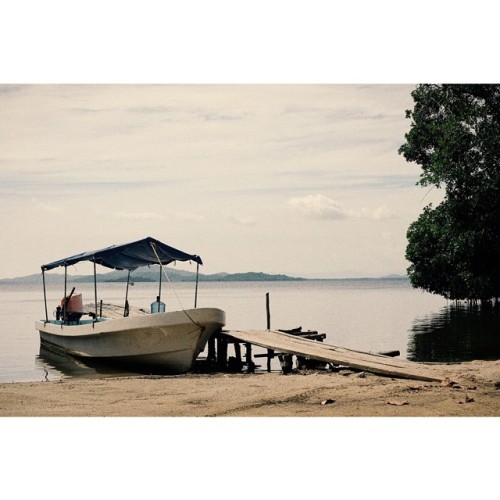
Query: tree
{"type": "Point", "coordinates": [454, 248]}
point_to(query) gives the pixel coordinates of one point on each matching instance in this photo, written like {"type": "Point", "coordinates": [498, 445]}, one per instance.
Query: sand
{"type": "Point", "coordinates": [469, 389]}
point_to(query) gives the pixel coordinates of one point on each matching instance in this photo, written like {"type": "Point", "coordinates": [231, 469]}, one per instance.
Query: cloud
{"type": "Point", "coordinates": [378, 213]}
{"type": "Point", "coordinates": [47, 207]}
{"type": "Point", "coordinates": [345, 178]}
{"type": "Point", "coordinates": [139, 215]}
{"type": "Point", "coordinates": [6, 90]}
{"type": "Point", "coordinates": [210, 116]}
{"type": "Point", "coordinates": [243, 220]}
{"type": "Point", "coordinates": [189, 216]}
{"type": "Point", "coordinates": [199, 156]}
{"type": "Point", "coordinates": [321, 207]}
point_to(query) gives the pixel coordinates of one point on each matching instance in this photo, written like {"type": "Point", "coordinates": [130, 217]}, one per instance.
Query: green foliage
{"type": "Point", "coordinates": [454, 249]}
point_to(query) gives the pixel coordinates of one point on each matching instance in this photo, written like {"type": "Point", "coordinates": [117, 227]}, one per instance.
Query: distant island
{"type": "Point", "coordinates": [151, 274]}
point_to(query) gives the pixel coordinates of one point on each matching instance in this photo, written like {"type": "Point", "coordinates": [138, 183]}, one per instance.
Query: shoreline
{"type": "Point", "coordinates": [469, 389]}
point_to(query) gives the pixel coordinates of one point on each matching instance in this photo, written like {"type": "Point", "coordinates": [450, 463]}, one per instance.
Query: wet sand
{"type": "Point", "coordinates": [469, 389]}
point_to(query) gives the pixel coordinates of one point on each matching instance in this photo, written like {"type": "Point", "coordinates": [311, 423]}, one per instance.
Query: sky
{"type": "Point", "coordinates": [298, 179]}
{"type": "Point", "coordinates": [261, 138]}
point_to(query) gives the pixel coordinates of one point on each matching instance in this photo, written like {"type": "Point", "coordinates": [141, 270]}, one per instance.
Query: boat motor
{"type": "Point", "coordinates": [72, 307]}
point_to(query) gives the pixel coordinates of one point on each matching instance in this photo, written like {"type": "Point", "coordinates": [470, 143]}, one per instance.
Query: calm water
{"type": "Point", "coordinates": [369, 315]}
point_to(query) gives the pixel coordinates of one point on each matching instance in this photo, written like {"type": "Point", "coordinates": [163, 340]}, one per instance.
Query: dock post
{"type": "Point", "coordinates": [248, 358]}
{"type": "Point", "coordinates": [270, 355]}
{"type": "Point", "coordinates": [211, 355]}
{"type": "Point", "coordinates": [221, 353]}
{"type": "Point", "coordinates": [270, 352]}
{"type": "Point", "coordinates": [268, 312]}
{"type": "Point", "coordinates": [237, 351]}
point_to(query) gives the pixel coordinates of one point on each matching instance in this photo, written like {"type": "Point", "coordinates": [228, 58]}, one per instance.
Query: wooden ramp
{"type": "Point", "coordinates": [374, 363]}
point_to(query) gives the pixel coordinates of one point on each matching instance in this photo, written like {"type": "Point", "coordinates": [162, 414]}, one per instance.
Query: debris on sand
{"type": "Point", "coordinates": [397, 402]}
{"type": "Point", "coordinates": [328, 401]}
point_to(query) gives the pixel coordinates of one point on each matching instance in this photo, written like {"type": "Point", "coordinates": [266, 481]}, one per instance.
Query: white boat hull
{"type": "Point", "coordinates": [163, 342]}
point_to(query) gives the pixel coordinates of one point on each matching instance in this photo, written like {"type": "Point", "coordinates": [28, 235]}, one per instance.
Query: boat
{"type": "Point", "coordinates": [156, 342]}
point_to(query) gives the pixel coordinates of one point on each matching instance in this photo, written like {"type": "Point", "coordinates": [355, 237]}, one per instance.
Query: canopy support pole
{"type": "Point", "coordinates": [159, 289]}
{"type": "Point", "coordinates": [95, 291]}
{"type": "Point", "coordinates": [45, 296]}
{"type": "Point", "coordinates": [126, 308]}
{"type": "Point", "coordinates": [65, 292]}
{"type": "Point", "coordinates": [196, 289]}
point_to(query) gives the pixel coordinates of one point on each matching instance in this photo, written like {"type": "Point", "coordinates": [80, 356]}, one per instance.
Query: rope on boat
{"type": "Point", "coordinates": [162, 267]}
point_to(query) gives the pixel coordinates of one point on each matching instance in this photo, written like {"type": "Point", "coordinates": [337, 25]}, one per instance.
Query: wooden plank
{"type": "Point", "coordinates": [374, 363]}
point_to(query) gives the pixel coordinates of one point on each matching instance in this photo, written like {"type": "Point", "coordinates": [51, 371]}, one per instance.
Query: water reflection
{"type": "Point", "coordinates": [456, 333]}
{"type": "Point", "coordinates": [59, 365]}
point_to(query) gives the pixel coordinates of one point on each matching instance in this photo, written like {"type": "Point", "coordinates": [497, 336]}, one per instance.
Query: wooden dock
{"type": "Point", "coordinates": [308, 345]}
{"type": "Point", "coordinates": [320, 351]}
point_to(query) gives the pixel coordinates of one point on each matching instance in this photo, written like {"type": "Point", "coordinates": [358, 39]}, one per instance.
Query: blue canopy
{"type": "Point", "coordinates": [128, 256]}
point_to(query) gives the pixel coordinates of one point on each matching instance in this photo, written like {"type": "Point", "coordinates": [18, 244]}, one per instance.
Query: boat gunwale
{"type": "Point", "coordinates": [197, 316]}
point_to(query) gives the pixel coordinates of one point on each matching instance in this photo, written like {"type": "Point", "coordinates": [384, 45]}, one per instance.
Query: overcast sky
{"type": "Point", "coordinates": [297, 179]}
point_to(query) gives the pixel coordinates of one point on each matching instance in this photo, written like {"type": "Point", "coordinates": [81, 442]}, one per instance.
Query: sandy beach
{"type": "Point", "coordinates": [306, 456]}
{"type": "Point", "coordinates": [469, 389]}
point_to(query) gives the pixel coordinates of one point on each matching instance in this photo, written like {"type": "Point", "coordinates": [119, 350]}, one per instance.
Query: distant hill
{"type": "Point", "coordinates": [148, 274]}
